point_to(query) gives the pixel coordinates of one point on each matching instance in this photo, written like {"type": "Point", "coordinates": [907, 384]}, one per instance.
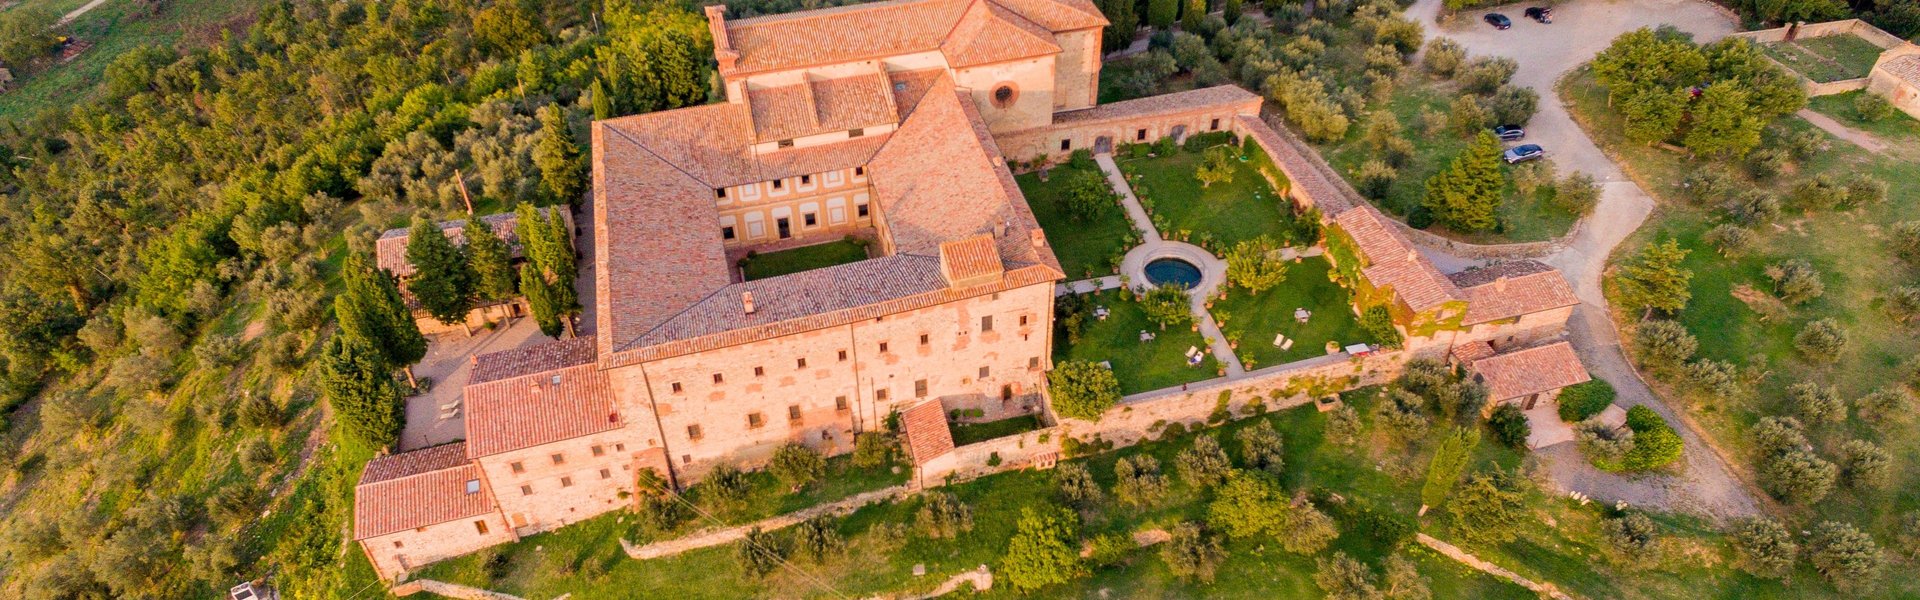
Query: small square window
{"type": "Point", "coordinates": [806, 179]}
{"type": "Point", "coordinates": [755, 420]}
{"type": "Point", "coordinates": [986, 323]}
{"type": "Point", "coordinates": [693, 432]}
{"type": "Point", "coordinates": [517, 467]}
{"type": "Point", "coordinates": [793, 412]}
{"type": "Point", "coordinates": [1023, 320]}
{"type": "Point", "coordinates": [1140, 135]}
{"type": "Point", "coordinates": [759, 371]}
{"type": "Point", "coordinates": [785, 144]}
{"type": "Point", "coordinates": [676, 387]}
{"type": "Point", "coordinates": [526, 490]}
{"type": "Point", "coordinates": [473, 486]}
{"type": "Point", "coordinates": [800, 363]}
{"type": "Point", "coordinates": [606, 474]}
{"type": "Point", "coordinates": [559, 459]}
{"type": "Point", "coordinates": [858, 171]}
{"type": "Point", "coordinates": [396, 544]}
{"type": "Point", "coordinates": [619, 447]}
{"type": "Point", "coordinates": [883, 347]}
{"type": "Point", "coordinates": [779, 183]}
{"type": "Point", "coordinates": [810, 219]}
{"type": "Point", "coordinates": [480, 526]}
{"type": "Point", "coordinates": [1033, 362]}
{"type": "Point", "coordinates": [856, 132]}
{"type": "Point", "coordinates": [566, 482]}
{"type": "Point", "coordinates": [726, 233]}
{"type": "Point", "coordinates": [719, 192]}
{"type": "Point", "coordinates": [599, 450]}
{"type": "Point", "coordinates": [1066, 145]}
{"type": "Point", "coordinates": [843, 356]}
{"type": "Point", "coordinates": [1215, 126]}
{"type": "Point", "coordinates": [686, 459]}
{"type": "Point", "coordinates": [924, 339]}
{"type": "Point", "coordinates": [718, 379]}
{"type": "Point", "coordinates": [840, 404]}
{"type": "Point", "coordinates": [984, 371]}
{"type": "Point", "coordinates": [861, 209]}
{"type": "Point", "coordinates": [880, 395]}
{"type": "Point", "coordinates": [920, 388]}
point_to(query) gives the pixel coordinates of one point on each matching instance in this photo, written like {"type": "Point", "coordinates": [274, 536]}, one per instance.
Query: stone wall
{"type": "Point", "coordinates": [395, 554]}
{"type": "Point", "coordinates": [1109, 134]}
{"type": "Point", "coordinates": [477, 318]}
{"type": "Point", "coordinates": [1800, 31]}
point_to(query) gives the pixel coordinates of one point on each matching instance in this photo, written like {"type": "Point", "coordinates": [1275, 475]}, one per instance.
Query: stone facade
{"type": "Point", "coordinates": [407, 550]}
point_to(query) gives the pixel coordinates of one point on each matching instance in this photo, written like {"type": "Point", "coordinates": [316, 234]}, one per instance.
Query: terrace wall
{"type": "Point", "coordinates": [1800, 31]}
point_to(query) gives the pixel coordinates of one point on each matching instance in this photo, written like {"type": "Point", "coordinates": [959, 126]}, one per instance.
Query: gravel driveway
{"type": "Point", "coordinates": [1580, 30]}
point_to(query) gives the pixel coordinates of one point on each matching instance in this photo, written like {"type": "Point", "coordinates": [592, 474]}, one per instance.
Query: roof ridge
{"type": "Point", "coordinates": [820, 13]}
{"type": "Point", "coordinates": [656, 156]}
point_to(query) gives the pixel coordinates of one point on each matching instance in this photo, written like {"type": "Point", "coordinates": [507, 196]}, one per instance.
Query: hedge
{"type": "Point", "coordinates": [1582, 401]}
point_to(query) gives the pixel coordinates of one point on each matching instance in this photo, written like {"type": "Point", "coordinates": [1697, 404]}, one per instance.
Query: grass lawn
{"type": "Point", "coordinates": [1242, 209]}
{"type": "Point", "coordinates": [1085, 249]}
{"type": "Point", "coordinates": [1524, 219]}
{"type": "Point", "coordinates": [1849, 251]}
{"type": "Point", "coordinates": [1141, 366]}
{"type": "Point", "coordinates": [1256, 319]}
{"type": "Point", "coordinates": [114, 28]}
{"type": "Point", "coordinates": [1897, 127]}
{"type": "Point", "coordinates": [585, 559]}
{"type": "Point", "coordinates": [969, 433]}
{"type": "Point", "coordinates": [1827, 58]}
{"type": "Point", "coordinates": [805, 258]}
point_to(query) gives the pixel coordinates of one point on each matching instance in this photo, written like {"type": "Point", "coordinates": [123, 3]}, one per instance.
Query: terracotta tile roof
{"type": "Point", "coordinates": [1222, 96]}
{"type": "Point", "coordinates": [1530, 371]}
{"type": "Point", "coordinates": [883, 29]}
{"type": "Point", "coordinates": [926, 202]}
{"type": "Point", "coordinates": [415, 489]}
{"type": "Point", "coordinates": [927, 434]}
{"type": "Point", "coordinates": [909, 87]}
{"type": "Point", "coordinates": [1301, 174]}
{"type": "Point", "coordinates": [989, 33]}
{"type": "Point", "coordinates": [1905, 68]}
{"type": "Point", "coordinates": [521, 412]}
{"type": "Point", "coordinates": [1465, 354]}
{"type": "Point", "coordinates": [1392, 261]}
{"type": "Point", "coordinates": [1511, 289]}
{"type": "Point", "coordinates": [527, 360]}
{"type": "Point", "coordinates": [390, 251]}
{"type": "Point", "coordinates": [820, 106]}
{"type": "Point", "coordinates": [970, 261]}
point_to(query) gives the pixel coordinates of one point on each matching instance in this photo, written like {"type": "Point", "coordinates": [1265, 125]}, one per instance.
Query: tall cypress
{"type": "Point", "coordinates": [1162, 13]}
{"type": "Point", "coordinates": [370, 310]}
{"type": "Point", "coordinates": [602, 103]}
{"type": "Point", "coordinates": [562, 172]}
{"type": "Point", "coordinates": [442, 280]}
{"type": "Point", "coordinates": [492, 263]}
{"type": "Point", "coordinates": [364, 397]}
{"type": "Point", "coordinates": [540, 300]}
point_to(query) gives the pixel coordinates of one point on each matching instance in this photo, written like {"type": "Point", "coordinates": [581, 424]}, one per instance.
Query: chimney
{"type": "Point", "coordinates": [1039, 237]}
{"type": "Point", "coordinates": [723, 51]}
{"type": "Point", "coordinates": [746, 302]}
{"type": "Point", "coordinates": [1500, 284]}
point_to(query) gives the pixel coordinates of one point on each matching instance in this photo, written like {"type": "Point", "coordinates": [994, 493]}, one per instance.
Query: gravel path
{"type": "Point", "coordinates": [1864, 140]}
{"type": "Point", "coordinates": [1545, 54]}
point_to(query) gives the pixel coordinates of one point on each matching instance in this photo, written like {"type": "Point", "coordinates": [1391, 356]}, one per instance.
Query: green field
{"type": "Point", "coordinates": [114, 28]}
{"type": "Point", "coordinates": [1827, 58]}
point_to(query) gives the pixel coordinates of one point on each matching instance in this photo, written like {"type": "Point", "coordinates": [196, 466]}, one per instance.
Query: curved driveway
{"type": "Point", "coordinates": [1546, 52]}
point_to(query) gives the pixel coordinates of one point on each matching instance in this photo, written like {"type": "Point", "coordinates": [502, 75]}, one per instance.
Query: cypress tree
{"type": "Point", "coordinates": [442, 280]}
{"type": "Point", "coordinates": [540, 300]}
{"type": "Point", "coordinates": [1161, 13]}
{"type": "Point", "coordinates": [558, 156]}
{"type": "Point", "coordinates": [370, 309]}
{"type": "Point", "coordinates": [1466, 194]}
{"type": "Point", "coordinates": [365, 398]}
{"type": "Point", "coordinates": [562, 264]}
{"type": "Point", "coordinates": [1232, 10]}
{"type": "Point", "coordinates": [1122, 21]}
{"type": "Point", "coordinates": [1191, 16]}
{"type": "Point", "coordinates": [602, 103]}
{"type": "Point", "coordinates": [492, 263]}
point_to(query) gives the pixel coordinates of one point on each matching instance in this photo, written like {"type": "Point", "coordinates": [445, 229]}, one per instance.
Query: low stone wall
{"type": "Point", "coordinates": [1514, 251]}
{"type": "Point", "coordinates": [476, 318]}
{"type": "Point", "coordinates": [1142, 416]}
{"type": "Point", "coordinates": [1802, 31]}
{"type": "Point", "coordinates": [1816, 89]}
{"type": "Point", "coordinates": [448, 590]}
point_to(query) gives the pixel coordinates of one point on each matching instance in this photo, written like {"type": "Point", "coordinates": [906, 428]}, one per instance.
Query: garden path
{"type": "Point", "coordinates": [1152, 246]}
{"type": "Point", "coordinates": [1866, 141]}
{"type": "Point", "coordinates": [727, 535]}
{"type": "Point", "coordinates": [1545, 54]}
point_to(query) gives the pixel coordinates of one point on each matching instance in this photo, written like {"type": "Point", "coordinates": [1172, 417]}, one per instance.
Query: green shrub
{"type": "Point", "coordinates": [1872, 107]}
{"type": "Point", "coordinates": [1582, 401]}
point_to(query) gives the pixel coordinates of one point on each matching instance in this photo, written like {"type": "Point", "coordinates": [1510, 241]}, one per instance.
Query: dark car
{"type": "Point", "coordinates": [1540, 13]}
{"type": "Point", "coordinates": [1509, 133]}
{"type": "Point", "coordinates": [1499, 21]}
{"type": "Point", "coordinates": [1523, 153]}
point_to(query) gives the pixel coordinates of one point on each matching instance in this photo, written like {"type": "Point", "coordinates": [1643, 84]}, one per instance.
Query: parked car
{"type": "Point", "coordinates": [1509, 133]}
{"type": "Point", "coordinates": [1524, 153]}
{"type": "Point", "coordinates": [1499, 21]}
{"type": "Point", "coordinates": [1540, 13]}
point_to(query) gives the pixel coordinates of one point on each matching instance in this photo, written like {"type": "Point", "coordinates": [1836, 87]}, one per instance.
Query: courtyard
{"type": "Point", "coordinates": [1826, 58]}
{"type": "Point", "coordinates": [1256, 321]}
{"type": "Point", "coordinates": [1086, 248]}
{"type": "Point", "coordinates": [1215, 216]}
{"type": "Point", "coordinates": [1141, 365]}
{"type": "Point", "coordinates": [804, 258]}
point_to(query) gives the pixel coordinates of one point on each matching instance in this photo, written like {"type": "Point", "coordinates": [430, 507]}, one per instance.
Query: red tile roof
{"type": "Point", "coordinates": [521, 412]}
{"type": "Point", "coordinates": [1301, 173]}
{"type": "Point", "coordinates": [1512, 289]}
{"type": "Point", "coordinates": [390, 251]}
{"type": "Point", "coordinates": [528, 360]}
{"type": "Point", "coordinates": [821, 106]}
{"type": "Point", "coordinates": [1222, 96]}
{"type": "Point", "coordinates": [927, 434]}
{"type": "Point", "coordinates": [1465, 354]}
{"type": "Point", "coordinates": [971, 261]}
{"type": "Point", "coordinates": [1392, 261]}
{"type": "Point", "coordinates": [415, 489]}
{"type": "Point", "coordinates": [884, 29]}
{"type": "Point", "coordinates": [990, 33]}
{"type": "Point", "coordinates": [1530, 371]}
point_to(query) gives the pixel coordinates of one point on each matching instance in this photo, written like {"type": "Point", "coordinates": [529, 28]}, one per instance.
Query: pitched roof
{"type": "Point", "coordinates": [820, 106]}
{"type": "Point", "coordinates": [1465, 354]}
{"type": "Point", "coordinates": [1906, 68]}
{"type": "Point", "coordinates": [927, 433]}
{"type": "Point", "coordinates": [1530, 371]}
{"type": "Point", "coordinates": [390, 251]}
{"type": "Point", "coordinates": [549, 406]}
{"type": "Point", "coordinates": [415, 489]}
{"type": "Point", "coordinates": [882, 29]}
{"type": "Point", "coordinates": [970, 261]}
{"type": "Point", "coordinates": [1217, 96]}
{"type": "Point", "coordinates": [528, 360]}
{"type": "Point", "coordinates": [1512, 289]}
{"type": "Point", "coordinates": [1299, 169]}
{"type": "Point", "coordinates": [1392, 261]}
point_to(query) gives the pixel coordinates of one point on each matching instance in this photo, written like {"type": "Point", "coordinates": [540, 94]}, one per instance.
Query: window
{"type": "Point", "coordinates": [785, 144]}
{"type": "Point", "coordinates": [1033, 362]}
{"type": "Point", "coordinates": [693, 433]}
{"type": "Point", "coordinates": [718, 379]}
{"type": "Point", "coordinates": [599, 450]}
{"type": "Point", "coordinates": [1140, 135]}
{"type": "Point", "coordinates": [793, 412]}
{"type": "Point", "coordinates": [676, 387]}
{"type": "Point", "coordinates": [810, 219]}
{"type": "Point", "coordinates": [800, 363]}
{"type": "Point", "coordinates": [566, 482]}
{"type": "Point", "coordinates": [526, 490]}
{"type": "Point", "coordinates": [1023, 320]}
{"type": "Point", "coordinates": [920, 388]}
{"type": "Point", "coordinates": [986, 323]}
{"type": "Point", "coordinates": [840, 404]}
{"type": "Point", "coordinates": [755, 420]}
{"type": "Point", "coordinates": [1215, 126]}
{"type": "Point", "coordinates": [396, 544]}
{"type": "Point", "coordinates": [1066, 145]}
{"type": "Point", "coordinates": [1004, 96]}
{"type": "Point", "coordinates": [883, 347]}
{"type": "Point", "coordinates": [606, 474]}
{"type": "Point", "coordinates": [719, 192]}
{"type": "Point", "coordinates": [480, 526]}
{"type": "Point", "coordinates": [559, 459]}
{"type": "Point", "coordinates": [517, 467]}
{"type": "Point", "coordinates": [779, 183]}
{"type": "Point", "coordinates": [726, 233]}
{"type": "Point", "coordinates": [880, 395]}
{"type": "Point", "coordinates": [619, 447]}
{"type": "Point", "coordinates": [924, 339]}
{"type": "Point", "coordinates": [984, 372]}
{"type": "Point", "coordinates": [858, 171]}
{"type": "Point", "coordinates": [843, 356]}
{"type": "Point", "coordinates": [686, 459]}
{"type": "Point", "coordinates": [856, 132]}
{"type": "Point", "coordinates": [473, 486]}
{"type": "Point", "coordinates": [759, 371]}
{"type": "Point", "coordinates": [861, 209]}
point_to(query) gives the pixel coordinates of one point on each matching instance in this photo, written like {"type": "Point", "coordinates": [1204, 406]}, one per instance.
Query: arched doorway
{"type": "Point", "coordinates": [1103, 145]}
{"type": "Point", "coordinates": [1179, 133]}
